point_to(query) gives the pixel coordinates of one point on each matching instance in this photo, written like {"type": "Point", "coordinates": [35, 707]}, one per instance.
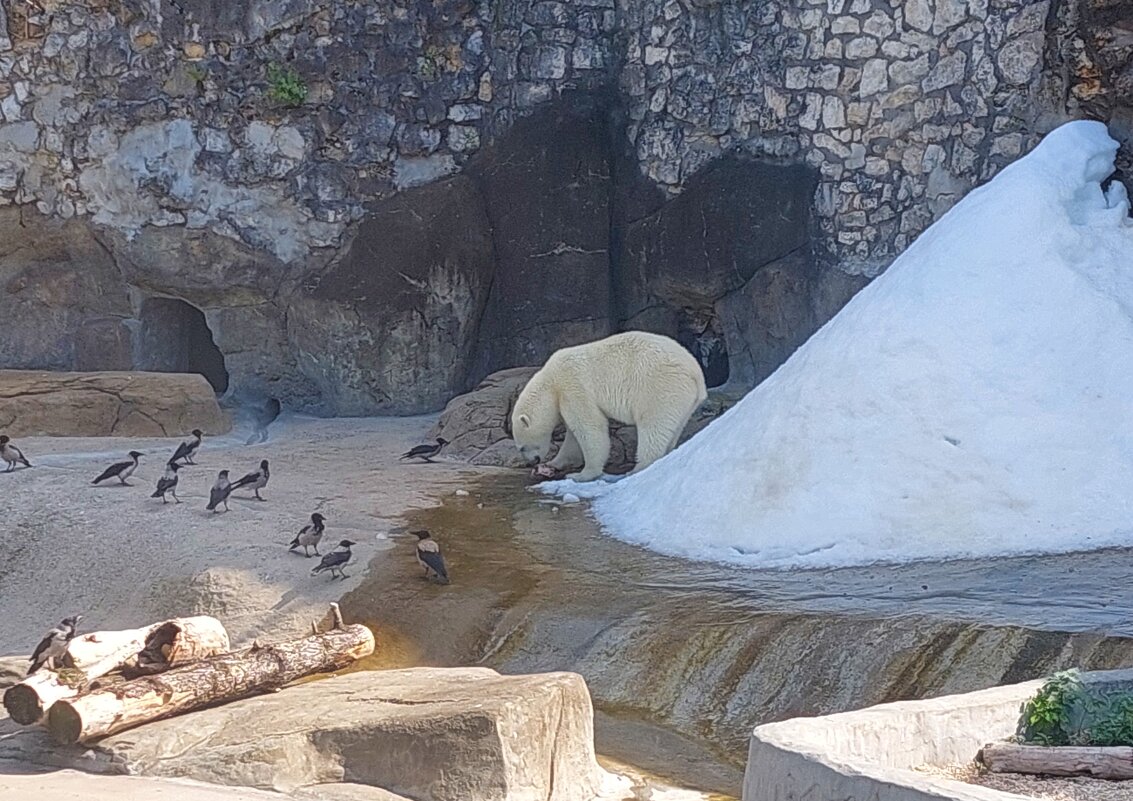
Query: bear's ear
{"type": "Point", "coordinates": [525, 421]}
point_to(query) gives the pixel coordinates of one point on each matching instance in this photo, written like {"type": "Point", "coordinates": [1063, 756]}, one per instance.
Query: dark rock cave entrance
{"type": "Point", "coordinates": [175, 338]}
{"type": "Point", "coordinates": [701, 335]}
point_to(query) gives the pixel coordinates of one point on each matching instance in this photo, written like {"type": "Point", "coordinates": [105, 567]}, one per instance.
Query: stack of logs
{"type": "Point", "coordinates": [114, 680]}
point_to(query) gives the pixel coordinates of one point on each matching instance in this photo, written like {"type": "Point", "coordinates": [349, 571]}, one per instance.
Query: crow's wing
{"type": "Point", "coordinates": [420, 450]}
{"type": "Point", "coordinates": [434, 560]}
{"type": "Point", "coordinates": [44, 644]}
{"type": "Point", "coordinates": [113, 470]}
{"type": "Point", "coordinates": [218, 494]}
{"type": "Point", "coordinates": [333, 559]}
{"type": "Point", "coordinates": [251, 478]}
{"type": "Point", "coordinates": [303, 532]}
{"type": "Point", "coordinates": [183, 450]}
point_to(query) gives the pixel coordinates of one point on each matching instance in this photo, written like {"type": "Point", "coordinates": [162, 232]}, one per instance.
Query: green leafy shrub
{"type": "Point", "coordinates": [285, 86]}
{"type": "Point", "coordinates": [1066, 711]}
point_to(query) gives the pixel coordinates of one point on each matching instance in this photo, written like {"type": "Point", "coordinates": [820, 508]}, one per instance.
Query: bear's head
{"type": "Point", "coordinates": [533, 420]}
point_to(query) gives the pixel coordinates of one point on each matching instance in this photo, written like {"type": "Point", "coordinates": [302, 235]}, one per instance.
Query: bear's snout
{"type": "Point", "coordinates": [529, 455]}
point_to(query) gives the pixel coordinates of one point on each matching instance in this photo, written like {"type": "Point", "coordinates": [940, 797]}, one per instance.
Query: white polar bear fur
{"type": "Point", "coordinates": [643, 379]}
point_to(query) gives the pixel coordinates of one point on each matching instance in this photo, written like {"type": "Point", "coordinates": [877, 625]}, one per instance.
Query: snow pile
{"type": "Point", "coordinates": [974, 400]}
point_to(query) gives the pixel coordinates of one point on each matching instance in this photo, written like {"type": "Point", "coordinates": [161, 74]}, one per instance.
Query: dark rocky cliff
{"type": "Point", "coordinates": [365, 207]}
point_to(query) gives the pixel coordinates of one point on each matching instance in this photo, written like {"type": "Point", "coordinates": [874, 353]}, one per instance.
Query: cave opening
{"type": "Point", "coordinates": [175, 338]}
{"type": "Point", "coordinates": [701, 335]}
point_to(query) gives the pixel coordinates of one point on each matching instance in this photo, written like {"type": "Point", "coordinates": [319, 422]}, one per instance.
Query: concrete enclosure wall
{"type": "Point", "coordinates": [874, 753]}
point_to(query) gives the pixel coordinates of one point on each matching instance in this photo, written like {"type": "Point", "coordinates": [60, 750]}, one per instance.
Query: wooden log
{"type": "Point", "coordinates": [1114, 762]}
{"type": "Point", "coordinates": [158, 647]}
{"type": "Point", "coordinates": [217, 679]}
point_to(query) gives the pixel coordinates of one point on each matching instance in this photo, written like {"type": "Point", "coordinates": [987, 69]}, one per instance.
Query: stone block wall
{"type": "Point", "coordinates": [609, 163]}
{"type": "Point", "coordinates": [902, 106]}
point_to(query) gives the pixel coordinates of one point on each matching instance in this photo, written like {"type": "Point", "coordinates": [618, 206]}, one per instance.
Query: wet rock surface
{"type": "Point", "coordinates": [705, 652]}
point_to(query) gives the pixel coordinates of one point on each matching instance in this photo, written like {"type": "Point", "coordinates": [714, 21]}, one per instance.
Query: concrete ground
{"type": "Point", "coordinates": [122, 558]}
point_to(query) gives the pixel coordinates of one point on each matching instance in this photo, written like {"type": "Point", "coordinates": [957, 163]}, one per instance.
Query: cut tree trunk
{"type": "Point", "coordinates": [210, 681]}
{"type": "Point", "coordinates": [157, 647]}
{"type": "Point", "coordinates": [1115, 762]}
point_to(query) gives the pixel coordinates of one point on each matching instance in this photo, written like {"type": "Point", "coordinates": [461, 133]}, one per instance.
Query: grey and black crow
{"type": "Point", "coordinates": [257, 480]}
{"type": "Point", "coordinates": [425, 452]}
{"type": "Point", "coordinates": [168, 483]}
{"type": "Point", "coordinates": [186, 449]}
{"type": "Point", "coordinates": [220, 491]}
{"type": "Point", "coordinates": [11, 454]}
{"type": "Point", "coordinates": [309, 535]}
{"type": "Point", "coordinates": [429, 556]}
{"type": "Point", "coordinates": [120, 470]}
{"type": "Point", "coordinates": [54, 644]}
{"type": "Point", "coordinates": [336, 560]}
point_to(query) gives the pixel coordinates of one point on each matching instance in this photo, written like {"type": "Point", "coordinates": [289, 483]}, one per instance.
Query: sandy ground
{"type": "Point", "coordinates": [123, 559]}
{"type": "Point", "coordinates": [69, 785]}
{"type": "Point", "coordinates": [1041, 788]}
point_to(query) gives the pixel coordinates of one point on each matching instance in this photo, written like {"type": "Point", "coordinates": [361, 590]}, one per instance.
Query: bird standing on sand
{"type": "Point", "coordinates": [121, 470]}
{"type": "Point", "coordinates": [54, 644]}
{"type": "Point", "coordinates": [11, 454]}
{"type": "Point", "coordinates": [168, 483]}
{"type": "Point", "coordinates": [425, 452]}
{"type": "Point", "coordinates": [257, 480]}
{"type": "Point", "coordinates": [309, 535]}
{"type": "Point", "coordinates": [336, 560]}
{"type": "Point", "coordinates": [219, 493]}
{"type": "Point", "coordinates": [429, 556]}
{"type": "Point", "coordinates": [187, 448]}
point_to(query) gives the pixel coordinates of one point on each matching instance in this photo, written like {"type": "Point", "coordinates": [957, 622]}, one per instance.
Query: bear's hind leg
{"type": "Point", "coordinates": [654, 440]}
{"type": "Point", "coordinates": [569, 455]}
{"type": "Point", "coordinates": [591, 430]}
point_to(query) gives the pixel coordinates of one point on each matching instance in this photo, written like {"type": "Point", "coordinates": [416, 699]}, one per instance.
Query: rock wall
{"type": "Point", "coordinates": [376, 205]}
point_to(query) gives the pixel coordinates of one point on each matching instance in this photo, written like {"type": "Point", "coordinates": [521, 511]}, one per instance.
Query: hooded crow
{"type": "Point", "coordinates": [220, 491]}
{"type": "Point", "coordinates": [429, 556]}
{"type": "Point", "coordinates": [168, 483]}
{"type": "Point", "coordinates": [336, 560]}
{"type": "Point", "coordinates": [186, 449]}
{"type": "Point", "coordinates": [54, 644]}
{"type": "Point", "coordinates": [120, 470]}
{"type": "Point", "coordinates": [257, 480]}
{"type": "Point", "coordinates": [309, 535]}
{"type": "Point", "coordinates": [425, 452]}
{"type": "Point", "coordinates": [11, 454]}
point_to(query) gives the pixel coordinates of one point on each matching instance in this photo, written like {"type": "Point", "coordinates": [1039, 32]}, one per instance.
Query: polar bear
{"type": "Point", "coordinates": [644, 379]}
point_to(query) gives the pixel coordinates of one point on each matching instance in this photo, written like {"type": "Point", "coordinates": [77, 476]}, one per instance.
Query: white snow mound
{"type": "Point", "coordinates": [975, 400]}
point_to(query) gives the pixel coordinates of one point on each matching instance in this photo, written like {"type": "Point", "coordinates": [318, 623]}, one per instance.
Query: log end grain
{"type": "Point", "coordinates": [23, 705]}
{"type": "Point", "coordinates": [64, 723]}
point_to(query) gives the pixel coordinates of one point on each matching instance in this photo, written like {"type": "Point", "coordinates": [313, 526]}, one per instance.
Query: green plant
{"type": "Point", "coordinates": [197, 74]}
{"type": "Point", "coordinates": [1047, 717]}
{"type": "Point", "coordinates": [1066, 711]}
{"type": "Point", "coordinates": [1114, 724]}
{"type": "Point", "coordinates": [285, 86]}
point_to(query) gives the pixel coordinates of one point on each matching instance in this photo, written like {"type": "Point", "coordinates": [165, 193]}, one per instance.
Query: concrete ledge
{"type": "Point", "coordinates": [455, 734]}
{"type": "Point", "coordinates": [873, 754]}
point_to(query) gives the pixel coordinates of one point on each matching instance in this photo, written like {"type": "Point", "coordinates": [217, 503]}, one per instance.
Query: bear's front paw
{"type": "Point", "coordinates": [584, 476]}
{"type": "Point", "coordinates": [545, 472]}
